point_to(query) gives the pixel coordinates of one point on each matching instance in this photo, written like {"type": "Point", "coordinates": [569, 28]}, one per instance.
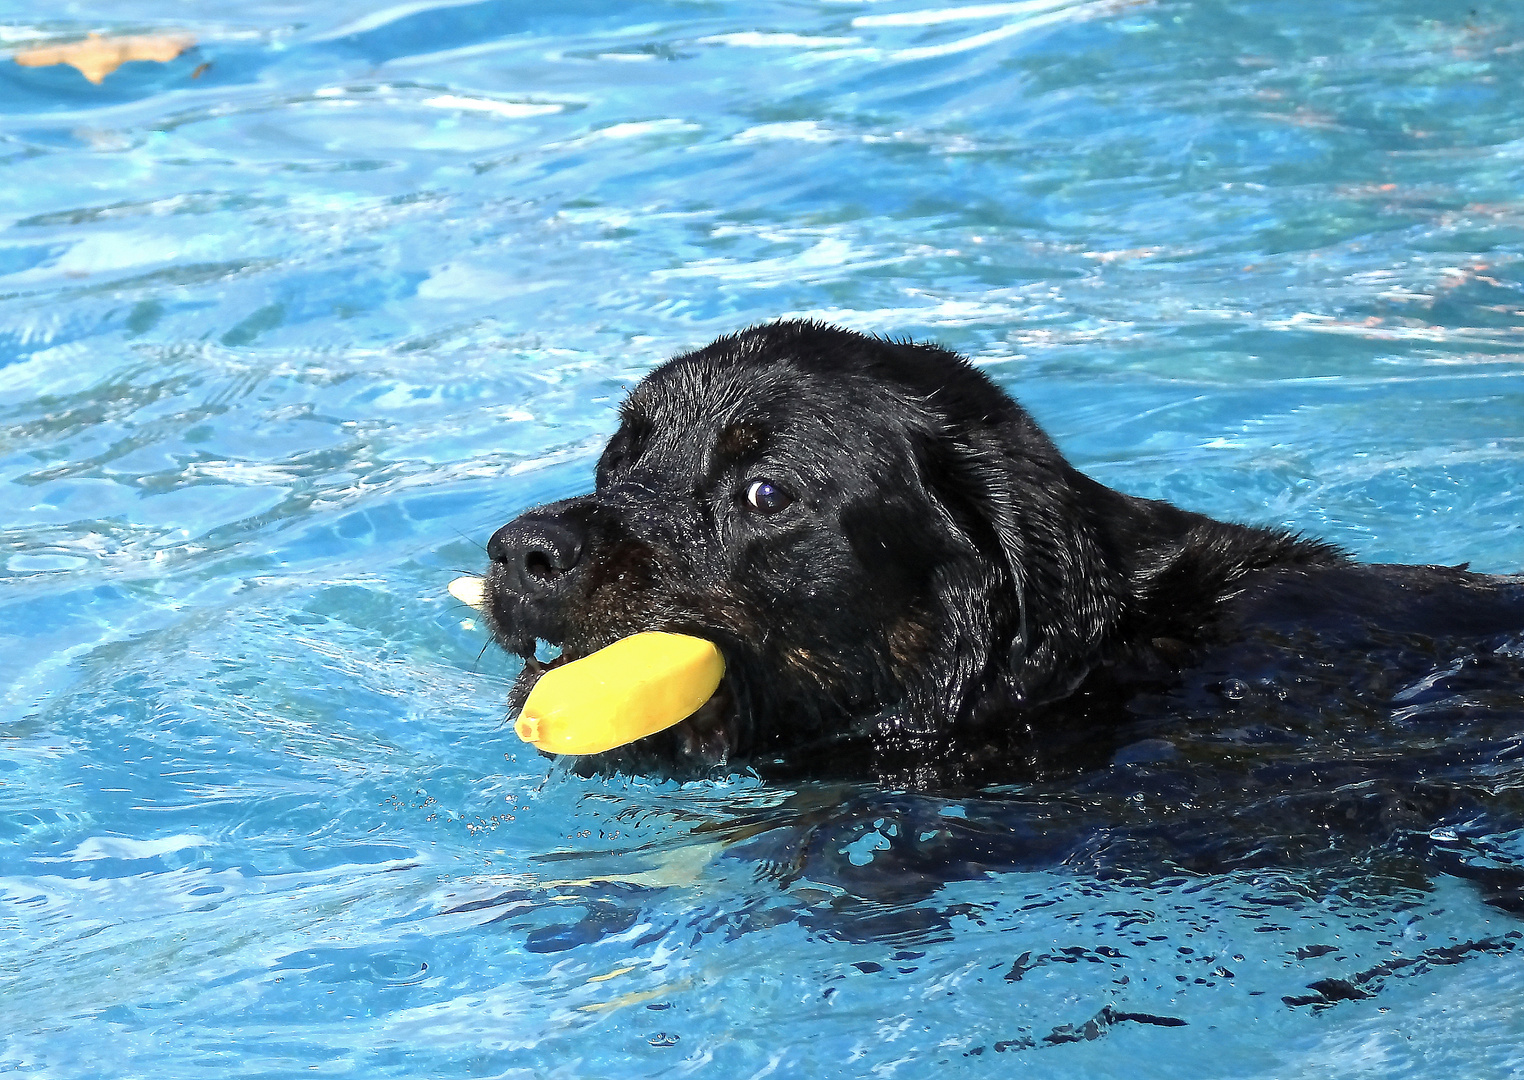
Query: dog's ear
{"type": "Point", "coordinates": [1053, 594]}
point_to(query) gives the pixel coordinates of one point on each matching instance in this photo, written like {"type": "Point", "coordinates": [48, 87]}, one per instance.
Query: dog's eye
{"type": "Point", "coordinates": [765, 497]}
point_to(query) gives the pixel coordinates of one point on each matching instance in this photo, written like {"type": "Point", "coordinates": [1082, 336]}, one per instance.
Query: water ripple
{"type": "Point", "coordinates": [290, 324]}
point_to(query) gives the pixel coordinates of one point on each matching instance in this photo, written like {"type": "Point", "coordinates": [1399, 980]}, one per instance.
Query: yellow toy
{"type": "Point", "coordinates": [471, 591]}
{"type": "Point", "coordinates": [635, 687]}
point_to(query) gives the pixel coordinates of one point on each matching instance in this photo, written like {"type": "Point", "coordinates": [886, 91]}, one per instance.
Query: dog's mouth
{"type": "Point", "coordinates": [530, 652]}
{"type": "Point", "coordinates": [534, 667]}
{"type": "Point", "coordinates": [708, 738]}
{"type": "Point", "coordinates": [704, 740]}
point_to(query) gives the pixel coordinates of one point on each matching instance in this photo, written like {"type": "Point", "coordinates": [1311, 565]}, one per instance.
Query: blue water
{"type": "Point", "coordinates": [289, 324]}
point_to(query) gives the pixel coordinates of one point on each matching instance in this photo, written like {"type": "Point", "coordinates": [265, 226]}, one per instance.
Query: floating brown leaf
{"type": "Point", "coordinates": [97, 56]}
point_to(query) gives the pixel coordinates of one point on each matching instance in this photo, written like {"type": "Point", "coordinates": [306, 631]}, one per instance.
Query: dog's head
{"type": "Point", "coordinates": [882, 544]}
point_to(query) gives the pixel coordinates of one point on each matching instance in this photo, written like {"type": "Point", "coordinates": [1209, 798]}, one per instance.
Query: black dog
{"type": "Point", "coordinates": [910, 583]}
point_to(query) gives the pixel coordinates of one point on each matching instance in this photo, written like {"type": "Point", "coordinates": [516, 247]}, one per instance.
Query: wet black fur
{"type": "Point", "coordinates": [947, 602]}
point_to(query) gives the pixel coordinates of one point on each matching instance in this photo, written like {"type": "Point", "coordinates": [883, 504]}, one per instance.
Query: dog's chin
{"type": "Point", "coordinates": [704, 741]}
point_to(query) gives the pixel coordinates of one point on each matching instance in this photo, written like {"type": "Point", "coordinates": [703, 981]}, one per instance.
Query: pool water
{"type": "Point", "coordinates": [290, 323]}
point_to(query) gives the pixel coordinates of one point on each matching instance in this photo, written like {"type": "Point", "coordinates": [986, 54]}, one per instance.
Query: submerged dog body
{"type": "Point", "coordinates": [908, 580]}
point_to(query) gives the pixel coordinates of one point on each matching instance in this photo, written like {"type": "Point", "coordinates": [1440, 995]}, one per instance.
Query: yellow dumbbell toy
{"type": "Point", "coordinates": [470, 590]}
{"type": "Point", "coordinates": [635, 687]}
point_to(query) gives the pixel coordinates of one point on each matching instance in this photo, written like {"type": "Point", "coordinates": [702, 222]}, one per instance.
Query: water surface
{"type": "Point", "coordinates": [289, 324]}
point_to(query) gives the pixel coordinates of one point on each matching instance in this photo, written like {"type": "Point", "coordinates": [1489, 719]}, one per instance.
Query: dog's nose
{"type": "Point", "coordinates": [535, 551]}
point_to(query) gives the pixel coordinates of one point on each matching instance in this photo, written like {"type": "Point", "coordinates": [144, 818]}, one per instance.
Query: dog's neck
{"type": "Point", "coordinates": [1150, 575]}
